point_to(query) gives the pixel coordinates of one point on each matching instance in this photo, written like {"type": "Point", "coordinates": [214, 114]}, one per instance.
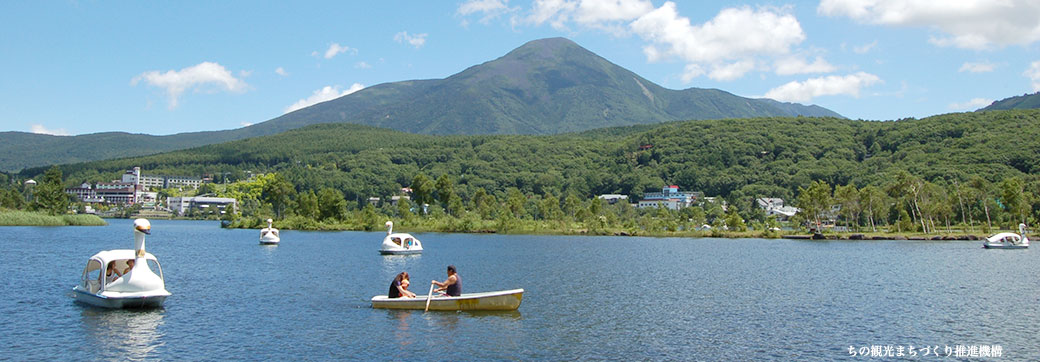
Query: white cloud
{"type": "Point", "coordinates": [321, 95]}
{"type": "Point", "coordinates": [734, 33]}
{"type": "Point", "coordinates": [974, 103]}
{"type": "Point", "coordinates": [977, 67]}
{"type": "Point", "coordinates": [199, 76]}
{"type": "Point", "coordinates": [728, 72]}
{"type": "Point", "coordinates": [489, 8]}
{"type": "Point", "coordinates": [863, 49]}
{"type": "Point", "coordinates": [246, 124]}
{"type": "Point", "coordinates": [416, 40]}
{"type": "Point", "coordinates": [281, 71]}
{"type": "Point", "coordinates": [40, 129]}
{"type": "Point", "coordinates": [734, 36]}
{"type": "Point", "coordinates": [976, 24]}
{"type": "Point", "coordinates": [362, 65]}
{"type": "Point", "coordinates": [692, 71]}
{"type": "Point", "coordinates": [824, 86]}
{"type": "Point", "coordinates": [798, 65]}
{"type": "Point", "coordinates": [1033, 73]}
{"type": "Point", "coordinates": [607, 15]}
{"type": "Point", "coordinates": [736, 41]}
{"type": "Point", "coordinates": [336, 49]}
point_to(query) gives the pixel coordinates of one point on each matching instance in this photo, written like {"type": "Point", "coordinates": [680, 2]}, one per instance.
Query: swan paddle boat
{"type": "Point", "coordinates": [269, 235]}
{"type": "Point", "coordinates": [140, 286]}
{"type": "Point", "coordinates": [487, 301]}
{"type": "Point", "coordinates": [399, 243]}
{"type": "Point", "coordinates": [1008, 240]}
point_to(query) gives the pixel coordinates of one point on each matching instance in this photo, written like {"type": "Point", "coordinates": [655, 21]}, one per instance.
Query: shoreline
{"type": "Point", "coordinates": [28, 218]}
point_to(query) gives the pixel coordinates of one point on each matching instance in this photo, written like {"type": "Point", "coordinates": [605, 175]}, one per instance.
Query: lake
{"type": "Point", "coordinates": [587, 297]}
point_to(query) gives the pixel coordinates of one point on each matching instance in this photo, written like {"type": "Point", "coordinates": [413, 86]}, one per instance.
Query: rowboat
{"type": "Point", "coordinates": [500, 300]}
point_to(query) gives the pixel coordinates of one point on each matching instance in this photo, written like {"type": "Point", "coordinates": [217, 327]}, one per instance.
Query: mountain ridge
{"type": "Point", "coordinates": [546, 86]}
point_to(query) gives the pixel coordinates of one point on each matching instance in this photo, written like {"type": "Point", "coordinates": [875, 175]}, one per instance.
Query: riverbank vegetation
{"type": "Point", "coordinates": [28, 218]}
{"type": "Point", "coordinates": [955, 173]}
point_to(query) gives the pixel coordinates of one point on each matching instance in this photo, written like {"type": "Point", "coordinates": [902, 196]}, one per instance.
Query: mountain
{"type": "Point", "coordinates": [546, 86]}
{"type": "Point", "coordinates": [1025, 101]}
{"type": "Point", "coordinates": [19, 150]}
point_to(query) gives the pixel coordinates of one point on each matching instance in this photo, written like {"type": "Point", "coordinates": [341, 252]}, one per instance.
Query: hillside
{"type": "Point", "coordinates": [736, 158]}
{"type": "Point", "coordinates": [546, 86]}
{"type": "Point", "coordinates": [1025, 101]}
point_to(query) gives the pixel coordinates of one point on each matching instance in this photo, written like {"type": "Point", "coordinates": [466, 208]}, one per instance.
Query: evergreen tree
{"type": "Point", "coordinates": [278, 192]}
{"type": "Point", "coordinates": [307, 205]}
{"type": "Point", "coordinates": [49, 195]}
{"type": "Point", "coordinates": [331, 204]}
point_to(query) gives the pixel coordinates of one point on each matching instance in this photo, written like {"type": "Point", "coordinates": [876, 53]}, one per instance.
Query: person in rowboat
{"type": "Point", "coordinates": [396, 291]}
{"type": "Point", "coordinates": [453, 285]}
{"type": "Point", "coordinates": [405, 282]}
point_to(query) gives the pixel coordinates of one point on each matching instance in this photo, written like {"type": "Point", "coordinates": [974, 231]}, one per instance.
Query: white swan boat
{"type": "Point", "coordinates": [141, 286]}
{"type": "Point", "coordinates": [399, 243]}
{"type": "Point", "coordinates": [269, 235]}
{"type": "Point", "coordinates": [1008, 240]}
{"type": "Point", "coordinates": [499, 300]}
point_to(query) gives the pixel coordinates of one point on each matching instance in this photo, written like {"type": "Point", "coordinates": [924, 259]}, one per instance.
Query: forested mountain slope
{"type": "Point", "coordinates": [735, 158]}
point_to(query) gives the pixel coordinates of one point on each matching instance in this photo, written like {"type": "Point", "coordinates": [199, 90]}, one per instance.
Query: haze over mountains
{"type": "Point", "coordinates": [546, 86]}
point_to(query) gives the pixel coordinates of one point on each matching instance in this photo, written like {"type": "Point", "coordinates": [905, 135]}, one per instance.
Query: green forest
{"type": "Point", "coordinates": [965, 171]}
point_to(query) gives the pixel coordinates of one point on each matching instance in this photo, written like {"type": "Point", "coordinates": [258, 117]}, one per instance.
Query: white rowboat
{"type": "Point", "coordinates": [500, 300]}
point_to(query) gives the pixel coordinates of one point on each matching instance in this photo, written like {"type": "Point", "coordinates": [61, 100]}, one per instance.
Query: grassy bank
{"type": "Point", "coordinates": [536, 227]}
{"type": "Point", "coordinates": [26, 218]}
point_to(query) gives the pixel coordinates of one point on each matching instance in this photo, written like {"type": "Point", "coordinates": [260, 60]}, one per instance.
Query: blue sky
{"type": "Point", "coordinates": [77, 67]}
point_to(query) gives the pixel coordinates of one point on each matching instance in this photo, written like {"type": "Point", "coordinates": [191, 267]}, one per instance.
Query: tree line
{"type": "Point", "coordinates": [736, 159]}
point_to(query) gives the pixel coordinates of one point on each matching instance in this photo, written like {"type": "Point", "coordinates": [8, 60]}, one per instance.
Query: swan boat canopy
{"type": "Point", "coordinates": [140, 286]}
{"type": "Point", "coordinates": [399, 243]}
{"type": "Point", "coordinates": [500, 300]}
{"type": "Point", "coordinates": [1008, 240]}
{"type": "Point", "coordinates": [269, 235]}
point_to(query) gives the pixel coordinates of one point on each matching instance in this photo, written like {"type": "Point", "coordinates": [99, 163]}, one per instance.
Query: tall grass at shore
{"type": "Point", "coordinates": [469, 224]}
{"type": "Point", "coordinates": [26, 218]}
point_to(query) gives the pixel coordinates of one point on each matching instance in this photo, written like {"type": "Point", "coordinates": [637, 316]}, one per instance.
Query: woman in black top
{"type": "Point", "coordinates": [396, 291]}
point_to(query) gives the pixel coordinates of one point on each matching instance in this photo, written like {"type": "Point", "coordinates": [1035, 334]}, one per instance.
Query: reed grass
{"type": "Point", "coordinates": [27, 218]}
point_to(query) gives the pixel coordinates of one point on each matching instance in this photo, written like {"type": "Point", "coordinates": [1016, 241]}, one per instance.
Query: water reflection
{"type": "Point", "coordinates": [123, 334]}
{"type": "Point", "coordinates": [392, 264]}
{"type": "Point", "coordinates": [403, 333]}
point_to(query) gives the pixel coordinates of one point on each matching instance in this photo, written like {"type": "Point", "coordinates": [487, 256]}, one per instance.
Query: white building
{"type": "Point", "coordinates": [775, 206]}
{"type": "Point", "coordinates": [670, 197]}
{"type": "Point", "coordinates": [613, 198]}
{"type": "Point", "coordinates": [160, 182]}
{"type": "Point", "coordinates": [182, 205]}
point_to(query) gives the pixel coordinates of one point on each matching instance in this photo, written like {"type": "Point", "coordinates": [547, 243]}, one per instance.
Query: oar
{"type": "Point", "coordinates": [428, 298]}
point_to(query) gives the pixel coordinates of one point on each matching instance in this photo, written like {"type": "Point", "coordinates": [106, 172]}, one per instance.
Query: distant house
{"type": "Point", "coordinates": [670, 197]}
{"type": "Point", "coordinates": [395, 199]}
{"type": "Point", "coordinates": [775, 206]}
{"type": "Point", "coordinates": [182, 205]}
{"type": "Point", "coordinates": [612, 198]}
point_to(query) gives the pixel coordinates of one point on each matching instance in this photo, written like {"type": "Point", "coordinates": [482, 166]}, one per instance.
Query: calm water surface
{"type": "Point", "coordinates": [586, 297]}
